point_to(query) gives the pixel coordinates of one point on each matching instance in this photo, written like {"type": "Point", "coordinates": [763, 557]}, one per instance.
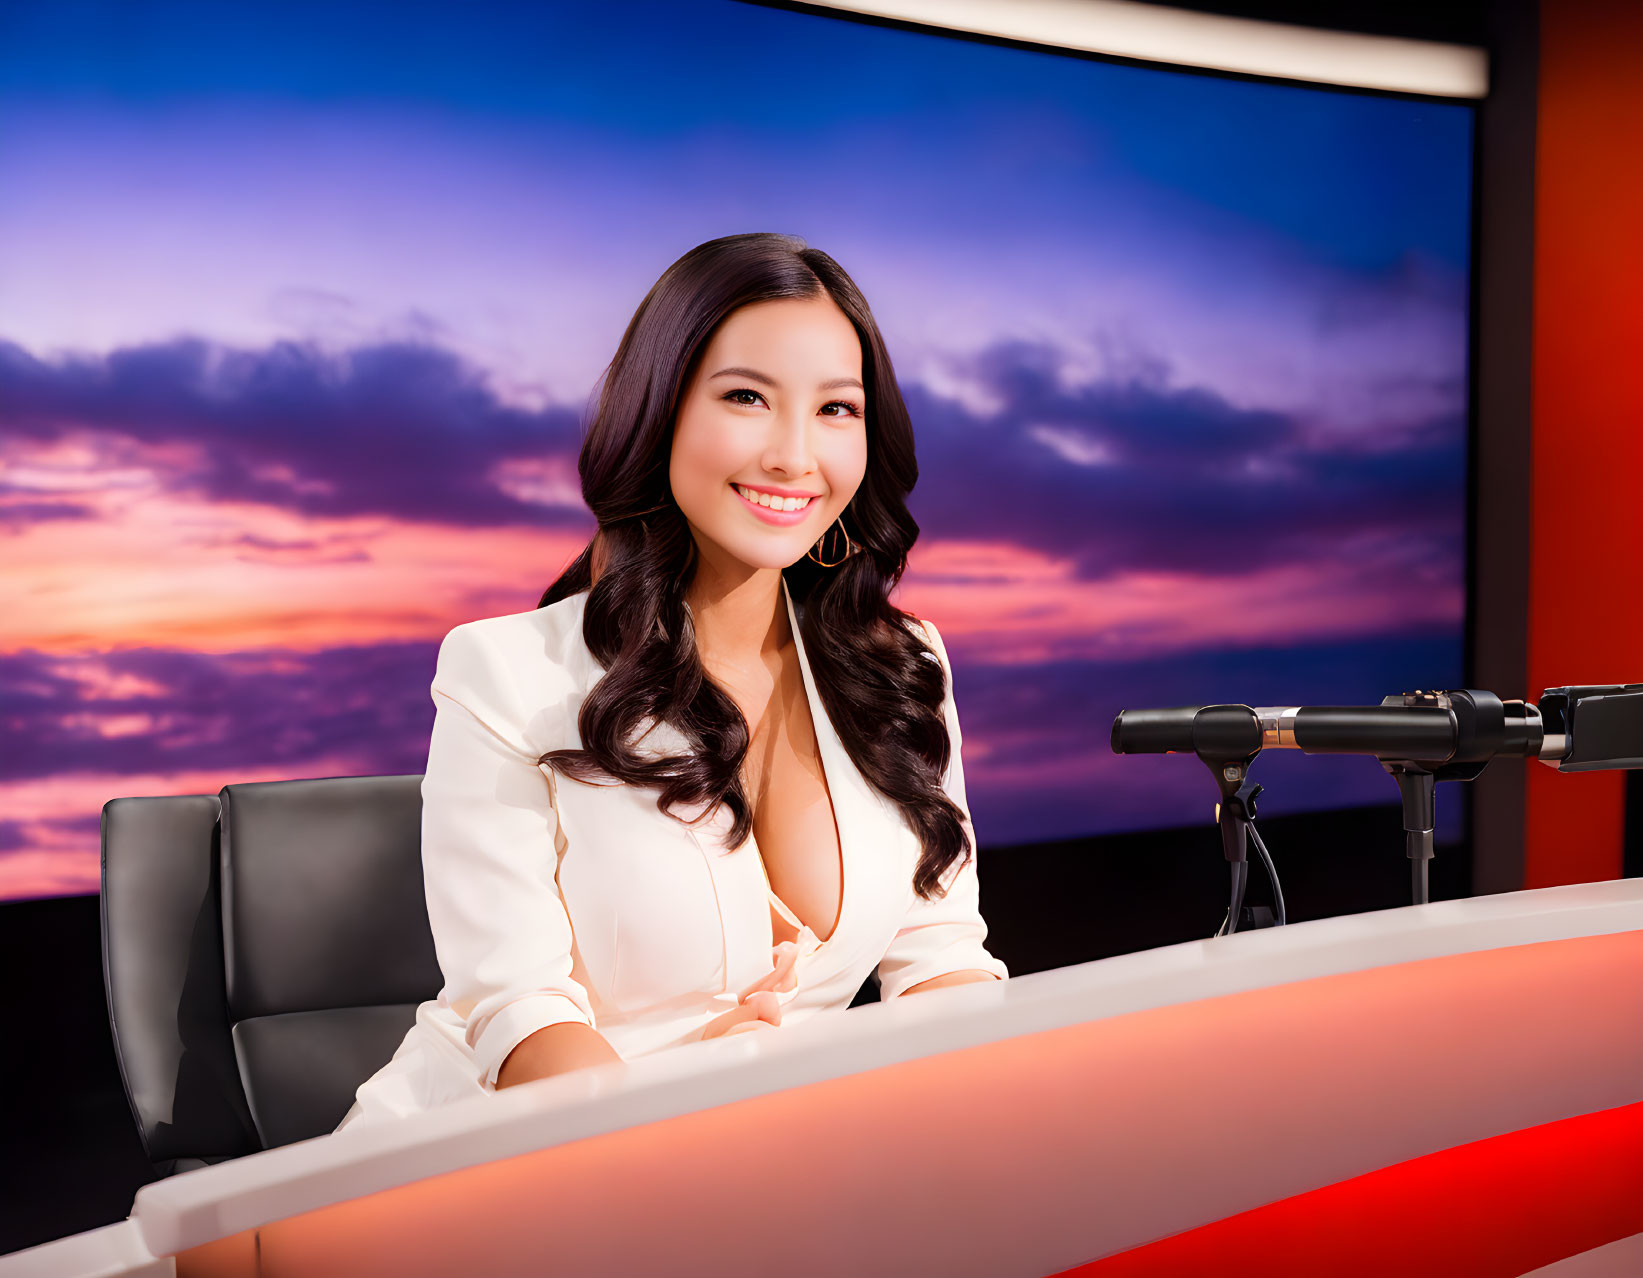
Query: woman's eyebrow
{"type": "Point", "coordinates": [753, 375]}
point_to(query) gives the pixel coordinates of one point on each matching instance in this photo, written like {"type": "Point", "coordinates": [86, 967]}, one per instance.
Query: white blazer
{"type": "Point", "coordinates": [556, 900]}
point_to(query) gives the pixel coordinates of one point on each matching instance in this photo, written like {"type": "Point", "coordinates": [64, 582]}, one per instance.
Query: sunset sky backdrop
{"type": "Point", "coordinates": [301, 309]}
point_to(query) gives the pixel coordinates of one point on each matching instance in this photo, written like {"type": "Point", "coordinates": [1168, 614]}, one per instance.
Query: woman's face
{"type": "Point", "coordinates": [776, 406]}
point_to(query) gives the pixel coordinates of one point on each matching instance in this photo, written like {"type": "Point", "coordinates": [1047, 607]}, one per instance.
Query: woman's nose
{"type": "Point", "coordinates": [789, 449]}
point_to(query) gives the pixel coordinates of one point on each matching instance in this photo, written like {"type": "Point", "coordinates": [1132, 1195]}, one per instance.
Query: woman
{"type": "Point", "coordinates": [713, 781]}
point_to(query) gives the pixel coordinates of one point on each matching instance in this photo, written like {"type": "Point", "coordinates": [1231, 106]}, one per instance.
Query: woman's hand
{"type": "Point", "coordinates": [760, 1009]}
{"type": "Point", "coordinates": [758, 1006]}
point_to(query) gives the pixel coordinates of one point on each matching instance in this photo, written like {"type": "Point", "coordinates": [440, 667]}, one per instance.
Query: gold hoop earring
{"type": "Point", "coordinates": [850, 546]}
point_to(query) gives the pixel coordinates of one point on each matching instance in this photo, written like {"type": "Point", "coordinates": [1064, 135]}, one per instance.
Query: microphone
{"type": "Point", "coordinates": [1447, 730]}
{"type": "Point", "coordinates": [1420, 738]}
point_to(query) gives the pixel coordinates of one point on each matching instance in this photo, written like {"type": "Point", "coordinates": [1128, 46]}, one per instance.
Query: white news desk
{"type": "Point", "coordinates": [1028, 1127]}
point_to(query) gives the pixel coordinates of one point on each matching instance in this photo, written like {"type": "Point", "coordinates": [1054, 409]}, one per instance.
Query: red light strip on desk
{"type": "Point", "coordinates": [1495, 1208]}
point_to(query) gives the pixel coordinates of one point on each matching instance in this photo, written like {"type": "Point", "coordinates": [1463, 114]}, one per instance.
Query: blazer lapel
{"type": "Point", "coordinates": [868, 825]}
{"type": "Point", "coordinates": [865, 822]}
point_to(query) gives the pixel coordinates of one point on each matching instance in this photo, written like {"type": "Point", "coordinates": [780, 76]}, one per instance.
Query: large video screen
{"type": "Point", "coordinates": [302, 305]}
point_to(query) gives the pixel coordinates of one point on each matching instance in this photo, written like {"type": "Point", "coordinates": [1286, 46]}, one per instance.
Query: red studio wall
{"type": "Point", "coordinates": [1586, 505]}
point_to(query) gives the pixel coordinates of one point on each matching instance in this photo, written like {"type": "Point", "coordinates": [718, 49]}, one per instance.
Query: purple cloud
{"type": "Point", "coordinates": [403, 430]}
{"type": "Point", "coordinates": [1138, 474]}
{"type": "Point", "coordinates": [1124, 474]}
{"type": "Point", "coordinates": [201, 711]}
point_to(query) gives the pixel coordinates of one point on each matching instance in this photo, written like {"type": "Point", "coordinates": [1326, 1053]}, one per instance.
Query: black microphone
{"type": "Point", "coordinates": [1420, 738]}
{"type": "Point", "coordinates": [1459, 727]}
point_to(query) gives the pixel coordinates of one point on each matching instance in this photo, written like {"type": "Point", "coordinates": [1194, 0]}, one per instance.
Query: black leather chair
{"type": "Point", "coordinates": [264, 952]}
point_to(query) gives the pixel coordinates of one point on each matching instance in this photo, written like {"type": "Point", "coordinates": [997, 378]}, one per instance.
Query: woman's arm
{"type": "Point", "coordinates": [942, 941]}
{"type": "Point", "coordinates": [489, 832]}
{"type": "Point", "coordinates": [555, 1049]}
{"type": "Point", "coordinates": [968, 976]}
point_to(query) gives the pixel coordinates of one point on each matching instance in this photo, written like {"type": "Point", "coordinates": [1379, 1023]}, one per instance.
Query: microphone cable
{"type": "Point", "coordinates": [1240, 880]}
{"type": "Point", "coordinates": [1271, 873]}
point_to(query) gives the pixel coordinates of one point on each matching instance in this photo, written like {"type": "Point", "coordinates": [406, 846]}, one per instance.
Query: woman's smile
{"type": "Point", "coordinates": [775, 513]}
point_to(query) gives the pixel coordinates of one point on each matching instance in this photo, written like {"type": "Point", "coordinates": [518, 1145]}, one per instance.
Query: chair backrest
{"type": "Point", "coordinates": [163, 973]}
{"type": "Point", "coordinates": [326, 940]}
{"type": "Point", "coordinates": [265, 951]}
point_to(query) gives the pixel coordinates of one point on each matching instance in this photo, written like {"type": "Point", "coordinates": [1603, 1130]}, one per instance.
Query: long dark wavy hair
{"type": "Point", "coordinates": [880, 682]}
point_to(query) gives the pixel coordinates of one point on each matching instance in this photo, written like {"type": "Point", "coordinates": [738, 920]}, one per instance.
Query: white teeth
{"type": "Point", "coordinates": [774, 503]}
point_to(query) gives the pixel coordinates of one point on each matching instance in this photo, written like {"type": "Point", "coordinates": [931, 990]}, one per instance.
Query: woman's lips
{"type": "Point", "coordinates": [781, 518]}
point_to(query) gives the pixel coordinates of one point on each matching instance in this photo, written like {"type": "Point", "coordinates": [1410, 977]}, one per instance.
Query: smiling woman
{"type": "Point", "coordinates": [713, 782]}
{"type": "Point", "coordinates": [792, 458]}
{"type": "Point", "coordinates": [729, 374]}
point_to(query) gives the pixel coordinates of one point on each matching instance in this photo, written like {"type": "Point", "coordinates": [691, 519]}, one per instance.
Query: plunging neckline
{"type": "Point", "coordinates": [787, 912]}
{"type": "Point", "coordinates": [812, 701]}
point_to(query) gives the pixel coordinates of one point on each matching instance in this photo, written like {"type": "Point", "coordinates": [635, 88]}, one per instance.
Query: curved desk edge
{"type": "Point", "coordinates": [202, 1206]}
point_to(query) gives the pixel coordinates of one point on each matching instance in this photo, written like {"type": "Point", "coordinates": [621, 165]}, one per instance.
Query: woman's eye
{"type": "Point", "coordinates": [853, 409]}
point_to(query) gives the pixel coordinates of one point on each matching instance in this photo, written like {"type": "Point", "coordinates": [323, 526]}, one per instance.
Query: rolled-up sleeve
{"type": "Point", "coordinates": [946, 934]}
{"type": "Point", "coordinates": [489, 860]}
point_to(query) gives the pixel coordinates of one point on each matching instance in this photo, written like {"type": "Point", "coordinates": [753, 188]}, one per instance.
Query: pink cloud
{"type": "Point", "coordinates": [1010, 605]}
{"type": "Point", "coordinates": [58, 859]}
{"type": "Point", "coordinates": [155, 568]}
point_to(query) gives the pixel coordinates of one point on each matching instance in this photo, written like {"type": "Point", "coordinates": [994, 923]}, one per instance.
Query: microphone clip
{"type": "Point", "coordinates": [1237, 806]}
{"type": "Point", "coordinates": [1235, 814]}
